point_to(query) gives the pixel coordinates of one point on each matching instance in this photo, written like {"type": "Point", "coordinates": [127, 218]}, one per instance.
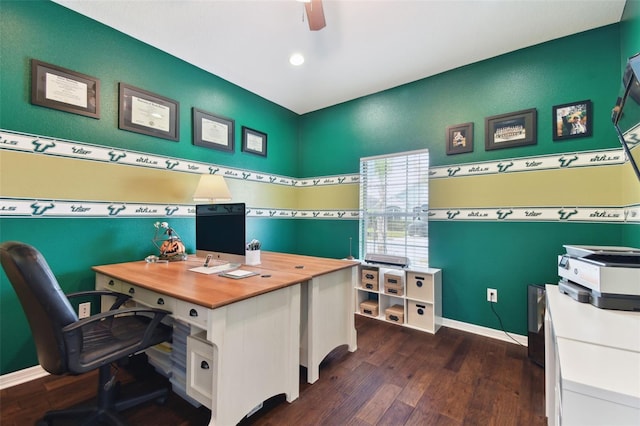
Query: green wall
{"type": "Point", "coordinates": [46, 31]}
{"type": "Point", "coordinates": [473, 255]}
{"type": "Point", "coordinates": [477, 255]}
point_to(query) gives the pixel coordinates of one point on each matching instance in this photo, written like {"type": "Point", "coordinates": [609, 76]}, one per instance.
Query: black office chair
{"type": "Point", "coordinates": [67, 345]}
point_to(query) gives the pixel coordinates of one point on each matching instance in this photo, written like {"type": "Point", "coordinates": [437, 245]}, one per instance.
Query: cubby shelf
{"type": "Point", "coordinates": [411, 297]}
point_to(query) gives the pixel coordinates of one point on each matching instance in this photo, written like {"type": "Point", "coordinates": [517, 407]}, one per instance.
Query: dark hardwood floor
{"type": "Point", "coordinates": [397, 376]}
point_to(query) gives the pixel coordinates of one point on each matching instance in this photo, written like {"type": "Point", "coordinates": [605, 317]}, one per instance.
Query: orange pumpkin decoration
{"type": "Point", "coordinates": [171, 247]}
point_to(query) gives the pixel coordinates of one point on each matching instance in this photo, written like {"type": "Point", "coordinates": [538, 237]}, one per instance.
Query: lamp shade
{"type": "Point", "coordinates": [211, 188]}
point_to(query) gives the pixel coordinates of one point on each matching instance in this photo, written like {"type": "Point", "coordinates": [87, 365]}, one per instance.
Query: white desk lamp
{"type": "Point", "coordinates": [211, 188]}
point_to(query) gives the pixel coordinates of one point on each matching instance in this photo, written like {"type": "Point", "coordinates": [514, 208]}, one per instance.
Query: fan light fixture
{"type": "Point", "coordinates": [296, 59]}
{"type": "Point", "coordinates": [211, 188]}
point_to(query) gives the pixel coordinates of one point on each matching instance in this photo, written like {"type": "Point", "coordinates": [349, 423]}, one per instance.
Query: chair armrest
{"type": "Point", "coordinates": [110, 314]}
{"type": "Point", "coordinates": [120, 297]}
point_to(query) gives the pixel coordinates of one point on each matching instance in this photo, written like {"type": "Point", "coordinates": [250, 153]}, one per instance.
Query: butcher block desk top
{"type": "Point", "coordinates": [211, 291]}
{"type": "Point", "coordinates": [276, 271]}
{"type": "Point", "coordinates": [306, 265]}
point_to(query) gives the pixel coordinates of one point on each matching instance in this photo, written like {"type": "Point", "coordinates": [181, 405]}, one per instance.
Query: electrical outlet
{"type": "Point", "coordinates": [492, 295]}
{"type": "Point", "coordinates": [84, 310]}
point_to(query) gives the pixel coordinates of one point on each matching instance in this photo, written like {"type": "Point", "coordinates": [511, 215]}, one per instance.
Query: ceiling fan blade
{"type": "Point", "coordinates": [315, 15]}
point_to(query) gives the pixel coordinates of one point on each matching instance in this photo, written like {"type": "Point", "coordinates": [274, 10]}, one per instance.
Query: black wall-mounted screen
{"type": "Point", "coordinates": [221, 230]}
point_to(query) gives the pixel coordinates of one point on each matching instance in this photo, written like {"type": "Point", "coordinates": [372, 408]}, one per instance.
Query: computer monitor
{"type": "Point", "coordinates": [220, 231]}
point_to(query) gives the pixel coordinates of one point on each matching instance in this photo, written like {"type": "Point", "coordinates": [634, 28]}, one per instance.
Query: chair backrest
{"type": "Point", "coordinates": [45, 305]}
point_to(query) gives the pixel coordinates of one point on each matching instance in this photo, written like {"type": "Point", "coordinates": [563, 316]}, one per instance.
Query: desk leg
{"type": "Point", "coordinates": [257, 343]}
{"type": "Point", "coordinates": [327, 318]}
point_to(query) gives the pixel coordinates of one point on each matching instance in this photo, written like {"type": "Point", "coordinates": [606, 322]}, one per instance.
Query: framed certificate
{"type": "Point", "coordinates": [254, 141]}
{"type": "Point", "coordinates": [147, 113]}
{"type": "Point", "coordinates": [59, 88]}
{"type": "Point", "coordinates": [212, 131]}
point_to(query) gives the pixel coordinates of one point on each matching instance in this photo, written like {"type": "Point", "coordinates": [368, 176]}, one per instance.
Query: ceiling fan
{"type": "Point", "coordinates": [315, 14]}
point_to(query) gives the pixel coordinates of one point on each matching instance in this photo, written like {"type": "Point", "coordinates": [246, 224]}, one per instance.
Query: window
{"type": "Point", "coordinates": [394, 204]}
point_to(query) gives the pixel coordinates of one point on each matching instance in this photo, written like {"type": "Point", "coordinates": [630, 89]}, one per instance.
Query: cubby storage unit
{"type": "Point", "coordinates": [411, 297]}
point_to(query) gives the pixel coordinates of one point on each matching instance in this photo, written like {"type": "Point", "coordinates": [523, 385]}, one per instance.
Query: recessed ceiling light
{"type": "Point", "coordinates": [296, 59]}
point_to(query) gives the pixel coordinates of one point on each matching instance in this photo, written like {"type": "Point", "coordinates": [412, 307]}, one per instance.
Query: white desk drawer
{"type": "Point", "coordinates": [153, 299]}
{"type": "Point", "coordinates": [191, 313]}
{"type": "Point", "coordinates": [108, 283]}
{"type": "Point", "coordinates": [202, 370]}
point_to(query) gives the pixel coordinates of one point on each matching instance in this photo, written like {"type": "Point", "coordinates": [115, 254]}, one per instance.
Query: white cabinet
{"type": "Point", "coordinates": [592, 363]}
{"type": "Point", "coordinates": [411, 297]}
{"type": "Point", "coordinates": [202, 365]}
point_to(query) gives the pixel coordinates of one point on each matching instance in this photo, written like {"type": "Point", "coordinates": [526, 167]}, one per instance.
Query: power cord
{"type": "Point", "coordinates": [502, 325]}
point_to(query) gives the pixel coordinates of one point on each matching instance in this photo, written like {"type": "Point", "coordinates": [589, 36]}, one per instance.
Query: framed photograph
{"type": "Point", "coordinates": [574, 120]}
{"type": "Point", "coordinates": [59, 88]}
{"type": "Point", "coordinates": [510, 130]}
{"type": "Point", "coordinates": [460, 138]}
{"type": "Point", "coordinates": [147, 113]}
{"type": "Point", "coordinates": [213, 131]}
{"type": "Point", "coordinates": [254, 141]}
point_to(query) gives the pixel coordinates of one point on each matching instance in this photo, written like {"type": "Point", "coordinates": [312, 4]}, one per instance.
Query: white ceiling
{"type": "Point", "coordinates": [366, 47]}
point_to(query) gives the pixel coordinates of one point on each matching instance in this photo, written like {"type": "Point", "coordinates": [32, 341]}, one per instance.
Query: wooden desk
{"type": "Point", "coordinates": [246, 334]}
{"type": "Point", "coordinates": [327, 319]}
{"type": "Point", "coordinates": [243, 346]}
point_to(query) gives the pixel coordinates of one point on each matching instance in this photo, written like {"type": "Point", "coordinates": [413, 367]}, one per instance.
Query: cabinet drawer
{"type": "Point", "coordinates": [191, 313]}
{"type": "Point", "coordinates": [420, 315]}
{"type": "Point", "coordinates": [202, 370]}
{"type": "Point", "coordinates": [369, 275]}
{"type": "Point", "coordinates": [420, 286]}
{"type": "Point", "coordinates": [370, 285]}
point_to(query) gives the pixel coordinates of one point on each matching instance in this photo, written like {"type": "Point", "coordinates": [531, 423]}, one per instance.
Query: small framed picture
{"type": "Point", "coordinates": [573, 120]}
{"type": "Point", "coordinates": [510, 130]}
{"type": "Point", "coordinates": [147, 113]}
{"type": "Point", "coordinates": [254, 141]}
{"type": "Point", "coordinates": [213, 131]}
{"type": "Point", "coordinates": [460, 138]}
{"type": "Point", "coordinates": [59, 88]}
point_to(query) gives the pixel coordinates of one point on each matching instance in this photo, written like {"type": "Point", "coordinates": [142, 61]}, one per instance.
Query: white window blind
{"type": "Point", "coordinates": [394, 204]}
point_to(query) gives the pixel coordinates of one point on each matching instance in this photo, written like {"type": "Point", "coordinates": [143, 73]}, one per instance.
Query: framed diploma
{"type": "Point", "coordinates": [147, 113]}
{"type": "Point", "coordinates": [212, 131]}
{"type": "Point", "coordinates": [59, 88]}
{"type": "Point", "coordinates": [254, 141]}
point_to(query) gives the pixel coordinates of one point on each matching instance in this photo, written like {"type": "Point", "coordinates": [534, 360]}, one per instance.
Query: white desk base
{"type": "Point", "coordinates": [256, 341]}
{"type": "Point", "coordinates": [250, 348]}
{"type": "Point", "coordinates": [327, 320]}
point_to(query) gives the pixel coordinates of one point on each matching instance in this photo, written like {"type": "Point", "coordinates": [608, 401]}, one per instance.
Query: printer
{"type": "Point", "coordinates": [607, 277]}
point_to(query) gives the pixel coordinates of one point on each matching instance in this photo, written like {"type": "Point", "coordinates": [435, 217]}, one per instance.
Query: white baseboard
{"type": "Point", "coordinates": [21, 376]}
{"type": "Point", "coordinates": [485, 331]}
{"type": "Point", "coordinates": [33, 373]}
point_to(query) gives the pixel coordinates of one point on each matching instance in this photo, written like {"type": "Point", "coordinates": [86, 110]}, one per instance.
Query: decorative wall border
{"type": "Point", "coordinates": [22, 207]}
{"type": "Point", "coordinates": [16, 141]}
{"type": "Point", "coordinates": [43, 208]}
{"type": "Point", "coordinates": [627, 214]}
{"type": "Point", "coordinates": [605, 157]}
{"type": "Point", "coordinates": [22, 142]}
